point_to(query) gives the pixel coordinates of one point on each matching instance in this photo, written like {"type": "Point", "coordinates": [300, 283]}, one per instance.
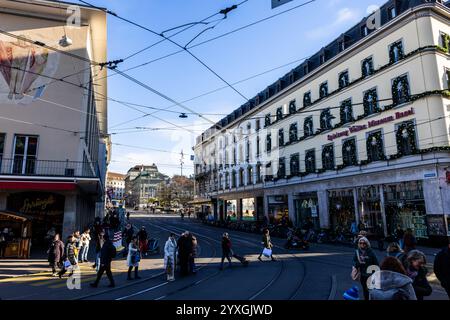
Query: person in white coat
{"type": "Point", "coordinates": [84, 242]}
{"type": "Point", "coordinates": [133, 258]}
{"type": "Point", "coordinates": [170, 249]}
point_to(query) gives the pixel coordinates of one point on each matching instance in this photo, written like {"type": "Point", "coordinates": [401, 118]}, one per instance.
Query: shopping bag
{"type": "Point", "coordinates": [267, 252]}
{"type": "Point", "coordinates": [67, 264]}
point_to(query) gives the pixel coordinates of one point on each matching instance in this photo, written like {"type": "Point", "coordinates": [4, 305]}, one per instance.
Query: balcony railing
{"type": "Point", "coordinates": [48, 168]}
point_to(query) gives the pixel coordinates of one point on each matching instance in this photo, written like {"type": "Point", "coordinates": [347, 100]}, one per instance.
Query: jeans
{"type": "Point", "coordinates": [97, 261]}
{"type": "Point", "coordinates": [84, 253]}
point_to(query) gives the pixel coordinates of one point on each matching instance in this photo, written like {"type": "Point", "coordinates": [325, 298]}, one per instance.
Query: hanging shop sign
{"type": "Point", "coordinates": [370, 124]}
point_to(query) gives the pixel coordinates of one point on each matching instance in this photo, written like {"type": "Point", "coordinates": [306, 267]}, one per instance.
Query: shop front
{"type": "Point", "coordinates": [370, 209]}
{"type": "Point", "coordinates": [16, 229]}
{"type": "Point", "coordinates": [248, 207]}
{"type": "Point", "coordinates": [306, 210]}
{"type": "Point", "coordinates": [278, 208]}
{"type": "Point", "coordinates": [342, 209]}
{"type": "Point", "coordinates": [231, 210]}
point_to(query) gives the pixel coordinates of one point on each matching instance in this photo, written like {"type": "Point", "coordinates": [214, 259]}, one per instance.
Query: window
{"type": "Point", "coordinates": [346, 111]}
{"type": "Point", "coordinates": [292, 107]}
{"type": "Point", "coordinates": [396, 52]}
{"type": "Point", "coordinates": [349, 154]}
{"type": "Point", "coordinates": [322, 59]}
{"type": "Point", "coordinates": [343, 80]}
{"type": "Point", "coordinates": [227, 180]}
{"type": "Point", "coordinates": [364, 31]}
{"type": "Point", "coordinates": [234, 156]}
{"type": "Point", "coordinates": [310, 161]}
{"type": "Point", "coordinates": [293, 132]}
{"type": "Point", "coordinates": [328, 157]}
{"type": "Point", "coordinates": [280, 137]}
{"type": "Point", "coordinates": [257, 146]}
{"type": "Point", "coordinates": [445, 39]}
{"type": "Point", "coordinates": [295, 164]}
{"type": "Point", "coordinates": [392, 13]}
{"type": "Point", "coordinates": [323, 90]}
{"type": "Point", "coordinates": [367, 67]}
{"type": "Point", "coordinates": [233, 179]}
{"type": "Point", "coordinates": [374, 145]}
{"type": "Point", "coordinates": [406, 138]}
{"type": "Point", "coordinates": [447, 77]}
{"type": "Point", "coordinates": [370, 102]}
{"type": "Point", "coordinates": [400, 90]}
{"type": "Point", "coordinates": [258, 173]}
{"type": "Point", "coordinates": [308, 127]}
{"type": "Point", "coordinates": [305, 69]}
{"type": "Point", "coordinates": [241, 177]}
{"type": "Point", "coordinates": [2, 147]}
{"type": "Point", "coordinates": [258, 125]}
{"type": "Point", "coordinates": [247, 150]}
{"type": "Point", "coordinates": [307, 99]}
{"type": "Point", "coordinates": [267, 120]}
{"type": "Point", "coordinates": [268, 143]}
{"type": "Point", "coordinates": [279, 113]}
{"type": "Point", "coordinates": [281, 168]}
{"type": "Point", "coordinates": [249, 175]}
{"type": "Point", "coordinates": [341, 46]}
{"type": "Point", "coordinates": [325, 120]}
{"type": "Point", "coordinates": [25, 154]}
{"type": "Point", "coordinates": [249, 127]}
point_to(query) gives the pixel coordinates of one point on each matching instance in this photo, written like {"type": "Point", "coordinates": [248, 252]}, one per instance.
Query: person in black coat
{"type": "Point", "coordinates": [107, 254]}
{"type": "Point", "coordinates": [127, 235]}
{"type": "Point", "coordinates": [415, 269]}
{"type": "Point", "coordinates": [69, 255]}
{"type": "Point", "coordinates": [55, 254]}
{"type": "Point", "coordinates": [363, 259]}
{"type": "Point", "coordinates": [226, 250]}
{"type": "Point", "coordinates": [184, 252]}
{"type": "Point", "coordinates": [442, 267]}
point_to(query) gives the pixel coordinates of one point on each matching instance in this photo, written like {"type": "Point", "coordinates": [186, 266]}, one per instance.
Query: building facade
{"type": "Point", "coordinates": [54, 146]}
{"type": "Point", "coordinates": [141, 184]}
{"type": "Point", "coordinates": [357, 132]}
{"type": "Point", "coordinates": [115, 186]}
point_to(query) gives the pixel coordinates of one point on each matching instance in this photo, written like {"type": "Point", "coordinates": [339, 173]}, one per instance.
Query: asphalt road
{"type": "Point", "coordinates": [321, 273]}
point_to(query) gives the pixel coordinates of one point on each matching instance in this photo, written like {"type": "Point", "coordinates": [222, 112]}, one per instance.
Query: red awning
{"type": "Point", "coordinates": [37, 185]}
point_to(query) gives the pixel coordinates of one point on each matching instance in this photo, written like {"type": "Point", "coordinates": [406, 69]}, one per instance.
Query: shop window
{"type": "Point", "coordinates": [268, 143]}
{"type": "Point", "coordinates": [267, 120]}
{"type": "Point", "coordinates": [349, 154]}
{"type": "Point", "coordinates": [375, 148]}
{"type": "Point", "coordinates": [406, 138]}
{"type": "Point", "coordinates": [292, 107]}
{"type": "Point", "coordinates": [307, 99]}
{"type": "Point", "coordinates": [308, 127]}
{"type": "Point", "coordinates": [25, 154]}
{"type": "Point", "coordinates": [293, 132]}
{"type": "Point", "coordinates": [367, 67]}
{"type": "Point", "coordinates": [346, 111]}
{"type": "Point", "coordinates": [323, 90]}
{"type": "Point", "coordinates": [310, 161]}
{"type": "Point", "coordinates": [370, 102]}
{"type": "Point", "coordinates": [400, 90]}
{"type": "Point", "coordinates": [342, 209]}
{"type": "Point", "coordinates": [328, 157]}
{"type": "Point", "coordinates": [280, 137]}
{"type": "Point", "coordinates": [279, 113]}
{"type": "Point", "coordinates": [396, 52]}
{"type": "Point", "coordinates": [325, 119]}
{"type": "Point", "coordinates": [295, 164]}
{"type": "Point", "coordinates": [248, 209]}
{"type": "Point", "coordinates": [281, 168]}
{"type": "Point", "coordinates": [231, 206]}
{"type": "Point", "coordinates": [343, 80]}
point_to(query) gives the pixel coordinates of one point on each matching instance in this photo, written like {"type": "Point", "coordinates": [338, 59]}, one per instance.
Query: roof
{"type": "Point", "coordinates": [114, 175]}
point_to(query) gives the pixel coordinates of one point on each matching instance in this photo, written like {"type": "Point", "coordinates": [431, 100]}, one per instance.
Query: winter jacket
{"type": "Point", "coordinates": [142, 235]}
{"type": "Point", "coordinates": [226, 246]}
{"type": "Point", "coordinates": [266, 241]}
{"type": "Point", "coordinates": [107, 253]}
{"type": "Point", "coordinates": [420, 284]}
{"type": "Point", "coordinates": [442, 267]}
{"type": "Point", "coordinates": [127, 234]}
{"type": "Point", "coordinates": [389, 285]}
{"type": "Point", "coordinates": [70, 253]}
{"type": "Point", "coordinates": [132, 252]}
{"type": "Point", "coordinates": [364, 259]}
{"type": "Point", "coordinates": [170, 249]}
{"type": "Point", "coordinates": [56, 252]}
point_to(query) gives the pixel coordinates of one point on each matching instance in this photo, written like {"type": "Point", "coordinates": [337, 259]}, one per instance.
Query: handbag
{"type": "Point", "coordinates": [267, 252]}
{"type": "Point", "coordinates": [67, 264]}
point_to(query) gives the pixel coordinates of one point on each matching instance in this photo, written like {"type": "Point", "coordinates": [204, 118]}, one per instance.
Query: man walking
{"type": "Point", "coordinates": [442, 267]}
{"type": "Point", "coordinates": [143, 241]}
{"type": "Point", "coordinates": [107, 253]}
{"type": "Point", "coordinates": [55, 254]}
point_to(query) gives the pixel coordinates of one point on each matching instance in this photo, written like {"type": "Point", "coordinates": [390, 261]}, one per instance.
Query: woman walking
{"type": "Point", "coordinates": [70, 260]}
{"type": "Point", "coordinates": [267, 245]}
{"type": "Point", "coordinates": [133, 258]}
{"type": "Point", "coordinates": [55, 254]}
{"type": "Point", "coordinates": [363, 259]}
{"type": "Point", "coordinates": [85, 241]}
{"type": "Point", "coordinates": [415, 269]}
{"type": "Point", "coordinates": [170, 249]}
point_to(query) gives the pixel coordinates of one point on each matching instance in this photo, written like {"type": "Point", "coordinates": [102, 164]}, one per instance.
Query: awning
{"type": "Point", "coordinates": [201, 201]}
{"type": "Point", "coordinates": [16, 215]}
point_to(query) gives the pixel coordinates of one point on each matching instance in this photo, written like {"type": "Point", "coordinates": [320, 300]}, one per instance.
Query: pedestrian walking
{"type": "Point", "coordinates": [70, 259]}
{"type": "Point", "coordinates": [409, 241]}
{"type": "Point", "coordinates": [107, 253]}
{"type": "Point", "coordinates": [133, 258]}
{"type": "Point", "coordinates": [50, 236]}
{"type": "Point", "coordinates": [4, 235]}
{"type": "Point", "coordinates": [226, 250]}
{"type": "Point", "coordinates": [363, 259]}
{"type": "Point", "coordinates": [55, 254]}
{"type": "Point", "coordinates": [193, 255]}
{"type": "Point", "coordinates": [128, 215]}
{"type": "Point", "coordinates": [85, 241]}
{"type": "Point", "coordinates": [267, 250]}
{"type": "Point", "coordinates": [127, 235]}
{"type": "Point", "coordinates": [77, 243]}
{"type": "Point", "coordinates": [143, 241]}
{"type": "Point", "coordinates": [442, 267]}
{"type": "Point", "coordinates": [394, 250]}
{"type": "Point", "coordinates": [391, 282]}
{"type": "Point", "coordinates": [170, 249]}
{"type": "Point", "coordinates": [184, 251]}
{"type": "Point", "coordinates": [415, 269]}
{"type": "Point", "coordinates": [99, 241]}
{"type": "Point", "coordinates": [399, 233]}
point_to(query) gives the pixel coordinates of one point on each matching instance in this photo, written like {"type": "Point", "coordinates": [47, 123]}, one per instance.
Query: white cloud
{"type": "Point", "coordinates": [343, 16]}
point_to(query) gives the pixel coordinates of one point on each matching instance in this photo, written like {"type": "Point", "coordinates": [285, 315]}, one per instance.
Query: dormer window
{"type": "Point", "coordinates": [306, 99]}
{"type": "Point", "coordinates": [343, 79]}
{"type": "Point", "coordinates": [305, 69]}
{"type": "Point", "coordinates": [392, 12]}
{"type": "Point", "coordinates": [322, 58]}
{"type": "Point", "coordinates": [396, 52]}
{"type": "Point", "coordinates": [364, 31]}
{"type": "Point", "coordinates": [323, 90]}
{"type": "Point", "coordinates": [341, 46]}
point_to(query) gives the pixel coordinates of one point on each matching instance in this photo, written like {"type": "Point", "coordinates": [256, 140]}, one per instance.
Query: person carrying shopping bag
{"type": "Point", "coordinates": [267, 251]}
{"type": "Point", "coordinates": [170, 249]}
{"type": "Point", "coordinates": [70, 260]}
{"type": "Point", "coordinates": [133, 259]}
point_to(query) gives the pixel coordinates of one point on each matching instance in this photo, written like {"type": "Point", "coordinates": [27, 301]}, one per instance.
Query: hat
{"type": "Point", "coordinates": [351, 294]}
{"type": "Point", "coordinates": [364, 239]}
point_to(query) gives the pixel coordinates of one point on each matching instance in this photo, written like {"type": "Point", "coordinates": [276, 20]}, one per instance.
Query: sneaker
{"type": "Point", "coordinates": [86, 260]}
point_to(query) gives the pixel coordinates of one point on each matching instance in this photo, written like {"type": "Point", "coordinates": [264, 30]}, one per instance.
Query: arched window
{"type": "Point", "coordinates": [406, 138]}
{"type": "Point", "coordinates": [346, 111]}
{"type": "Point", "coordinates": [325, 119]}
{"type": "Point", "coordinates": [349, 155]}
{"type": "Point", "coordinates": [308, 128]}
{"type": "Point", "coordinates": [370, 102]}
{"type": "Point", "coordinates": [310, 161]}
{"type": "Point", "coordinates": [375, 148]}
{"type": "Point", "coordinates": [249, 175]}
{"type": "Point", "coordinates": [328, 157]}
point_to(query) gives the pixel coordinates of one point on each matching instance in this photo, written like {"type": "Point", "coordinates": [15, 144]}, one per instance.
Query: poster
{"type": "Point", "coordinates": [436, 225]}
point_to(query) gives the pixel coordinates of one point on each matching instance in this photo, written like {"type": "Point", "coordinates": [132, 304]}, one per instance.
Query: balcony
{"type": "Point", "coordinates": [48, 168]}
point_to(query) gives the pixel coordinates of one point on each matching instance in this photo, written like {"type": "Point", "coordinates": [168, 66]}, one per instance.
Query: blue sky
{"type": "Point", "coordinates": [283, 39]}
